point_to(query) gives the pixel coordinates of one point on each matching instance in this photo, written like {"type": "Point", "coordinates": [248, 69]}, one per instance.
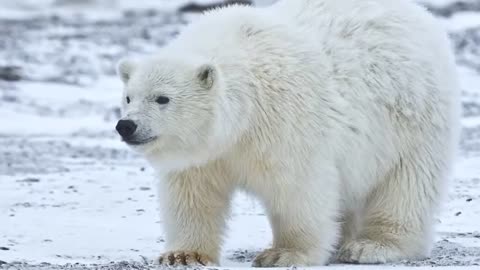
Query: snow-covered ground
{"type": "Point", "coordinates": [71, 192]}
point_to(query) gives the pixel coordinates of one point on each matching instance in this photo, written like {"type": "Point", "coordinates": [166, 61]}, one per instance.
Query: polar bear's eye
{"type": "Point", "coordinates": [162, 100]}
{"type": "Point", "coordinates": [128, 100]}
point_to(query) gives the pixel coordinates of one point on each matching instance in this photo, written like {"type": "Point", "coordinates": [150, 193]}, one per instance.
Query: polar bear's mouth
{"type": "Point", "coordinates": [139, 142]}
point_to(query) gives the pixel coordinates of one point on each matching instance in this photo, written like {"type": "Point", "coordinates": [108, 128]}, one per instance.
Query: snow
{"type": "Point", "coordinates": [463, 21]}
{"type": "Point", "coordinates": [71, 192]}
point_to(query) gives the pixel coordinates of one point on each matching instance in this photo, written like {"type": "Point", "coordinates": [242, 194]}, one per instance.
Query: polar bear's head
{"type": "Point", "coordinates": [170, 105]}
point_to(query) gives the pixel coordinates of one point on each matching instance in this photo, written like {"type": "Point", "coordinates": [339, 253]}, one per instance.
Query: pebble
{"type": "Point", "coordinates": [29, 180]}
{"type": "Point", "coordinates": [10, 73]}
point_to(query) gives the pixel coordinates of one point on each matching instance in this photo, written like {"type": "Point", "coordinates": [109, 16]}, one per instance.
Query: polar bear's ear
{"type": "Point", "coordinates": [206, 75]}
{"type": "Point", "coordinates": [125, 68]}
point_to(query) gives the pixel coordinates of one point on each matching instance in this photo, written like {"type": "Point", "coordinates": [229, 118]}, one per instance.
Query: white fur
{"type": "Point", "coordinates": [340, 116]}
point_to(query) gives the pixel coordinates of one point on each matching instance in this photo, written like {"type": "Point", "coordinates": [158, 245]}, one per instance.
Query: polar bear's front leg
{"type": "Point", "coordinates": [195, 204]}
{"type": "Point", "coordinates": [302, 213]}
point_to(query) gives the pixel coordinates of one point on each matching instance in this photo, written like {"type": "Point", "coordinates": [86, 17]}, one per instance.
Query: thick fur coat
{"type": "Point", "coordinates": [339, 116]}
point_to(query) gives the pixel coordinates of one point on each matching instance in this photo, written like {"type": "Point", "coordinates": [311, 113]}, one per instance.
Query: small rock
{"type": "Point", "coordinates": [469, 199]}
{"type": "Point", "coordinates": [2, 262]}
{"type": "Point", "coordinates": [25, 204]}
{"type": "Point", "coordinates": [146, 34]}
{"type": "Point", "coordinates": [29, 180]}
{"type": "Point", "coordinates": [458, 214]}
{"type": "Point", "coordinates": [10, 73]}
{"type": "Point", "coordinates": [10, 98]}
{"type": "Point", "coordinates": [144, 188]}
{"type": "Point", "coordinates": [4, 248]}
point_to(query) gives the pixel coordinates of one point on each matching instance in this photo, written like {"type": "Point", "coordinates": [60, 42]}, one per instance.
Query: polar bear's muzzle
{"type": "Point", "coordinates": [127, 129]}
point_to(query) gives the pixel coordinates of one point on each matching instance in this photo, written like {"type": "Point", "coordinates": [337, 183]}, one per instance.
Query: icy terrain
{"type": "Point", "coordinates": [71, 192]}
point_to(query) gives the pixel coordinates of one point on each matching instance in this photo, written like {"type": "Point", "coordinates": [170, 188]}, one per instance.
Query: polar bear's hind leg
{"type": "Point", "coordinates": [398, 217]}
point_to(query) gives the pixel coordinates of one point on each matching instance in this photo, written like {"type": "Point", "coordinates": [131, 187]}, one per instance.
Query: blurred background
{"type": "Point", "coordinates": [71, 192]}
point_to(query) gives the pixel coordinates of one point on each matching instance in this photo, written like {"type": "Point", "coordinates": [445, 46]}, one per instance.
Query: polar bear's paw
{"type": "Point", "coordinates": [280, 257]}
{"type": "Point", "coordinates": [368, 251]}
{"type": "Point", "coordinates": [179, 257]}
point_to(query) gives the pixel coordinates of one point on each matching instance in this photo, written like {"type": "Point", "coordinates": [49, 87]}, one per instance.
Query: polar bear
{"type": "Point", "coordinates": [339, 116]}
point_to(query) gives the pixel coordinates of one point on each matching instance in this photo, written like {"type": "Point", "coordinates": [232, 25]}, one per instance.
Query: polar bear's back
{"type": "Point", "coordinates": [367, 81]}
{"type": "Point", "coordinates": [394, 73]}
{"type": "Point", "coordinates": [392, 81]}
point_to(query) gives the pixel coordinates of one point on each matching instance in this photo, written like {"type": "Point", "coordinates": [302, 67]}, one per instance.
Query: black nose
{"type": "Point", "coordinates": [126, 128]}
